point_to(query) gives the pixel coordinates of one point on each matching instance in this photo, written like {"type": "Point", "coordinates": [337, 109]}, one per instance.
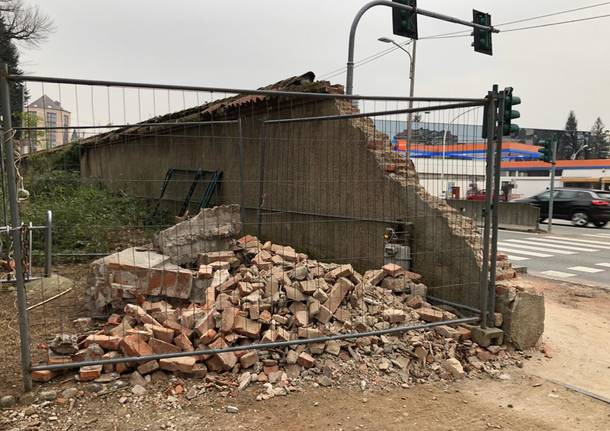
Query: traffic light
{"type": "Point", "coordinates": [509, 113]}
{"type": "Point", "coordinates": [546, 151]}
{"type": "Point", "coordinates": [482, 38]}
{"type": "Point", "coordinates": [405, 21]}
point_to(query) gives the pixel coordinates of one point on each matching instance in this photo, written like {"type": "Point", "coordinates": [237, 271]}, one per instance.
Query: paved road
{"type": "Point", "coordinates": [579, 255]}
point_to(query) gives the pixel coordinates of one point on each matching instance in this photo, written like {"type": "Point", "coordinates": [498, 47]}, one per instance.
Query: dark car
{"type": "Point", "coordinates": [580, 206]}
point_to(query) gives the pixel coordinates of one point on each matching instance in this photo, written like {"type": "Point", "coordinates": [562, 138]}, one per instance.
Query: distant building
{"type": "Point", "coordinates": [46, 112]}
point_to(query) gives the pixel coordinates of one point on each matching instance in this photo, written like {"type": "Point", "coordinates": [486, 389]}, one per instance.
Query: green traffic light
{"type": "Point", "coordinates": [513, 114]}
{"type": "Point", "coordinates": [515, 100]}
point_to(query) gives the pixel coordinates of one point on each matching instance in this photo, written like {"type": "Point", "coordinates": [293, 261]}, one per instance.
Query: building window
{"type": "Point", "coordinates": [65, 131]}
{"type": "Point", "coordinates": [52, 134]}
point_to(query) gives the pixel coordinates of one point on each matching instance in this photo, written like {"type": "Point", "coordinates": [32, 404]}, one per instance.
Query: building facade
{"type": "Point", "coordinates": [46, 112]}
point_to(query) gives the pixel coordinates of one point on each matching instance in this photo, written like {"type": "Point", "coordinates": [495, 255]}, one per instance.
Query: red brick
{"type": "Point", "coordinates": [163, 334]}
{"type": "Point", "coordinates": [324, 314]}
{"type": "Point", "coordinates": [429, 315]}
{"type": "Point", "coordinates": [222, 361]}
{"type": "Point", "coordinates": [177, 328]}
{"type": "Point", "coordinates": [135, 345]}
{"type": "Point", "coordinates": [91, 372]}
{"type": "Point", "coordinates": [206, 322]}
{"type": "Point", "coordinates": [173, 283]}
{"type": "Point", "coordinates": [227, 320]}
{"type": "Point", "coordinates": [205, 272]}
{"type": "Point", "coordinates": [184, 343]}
{"type": "Point", "coordinates": [249, 359]}
{"type": "Point", "coordinates": [207, 337]}
{"type": "Point", "coordinates": [210, 297]}
{"type": "Point", "coordinates": [159, 346]}
{"type": "Point", "coordinates": [148, 367]}
{"type": "Point", "coordinates": [341, 288]}
{"type": "Point", "coordinates": [107, 342]}
{"type": "Point", "coordinates": [392, 269]}
{"type": "Point", "coordinates": [247, 327]}
{"type": "Point", "coordinates": [43, 375]}
{"type": "Point", "coordinates": [121, 367]}
{"type": "Point", "coordinates": [183, 364]}
{"type": "Point", "coordinates": [341, 271]}
{"type": "Point", "coordinates": [139, 313]}
{"type": "Point", "coordinates": [306, 360]}
{"type": "Point", "coordinates": [191, 315]}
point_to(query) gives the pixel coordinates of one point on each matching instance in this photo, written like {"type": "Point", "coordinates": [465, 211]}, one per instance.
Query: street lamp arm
{"type": "Point", "coordinates": [401, 47]}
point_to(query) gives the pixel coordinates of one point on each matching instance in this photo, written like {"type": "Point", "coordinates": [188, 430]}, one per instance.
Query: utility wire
{"type": "Point", "coordinates": [467, 33]}
{"type": "Point", "coordinates": [517, 21]}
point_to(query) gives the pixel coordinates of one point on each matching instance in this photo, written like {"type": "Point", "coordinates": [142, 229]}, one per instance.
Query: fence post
{"type": "Point", "coordinates": [489, 171]}
{"type": "Point", "coordinates": [48, 244]}
{"type": "Point", "coordinates": [496, 205]}
{"type": "Point", "coordinates": [9, 155]}
{"type": "Point", "coordinates": [242, 163]}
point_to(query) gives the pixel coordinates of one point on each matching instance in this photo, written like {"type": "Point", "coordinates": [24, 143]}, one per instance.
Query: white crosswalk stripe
{"type": "Point", "coordinates": [519, 244]}
{"type": "Point", "coordinates": [516, 258]}
{"type": "Point", "coordinates": [558, 274]}
{"type": "Point", "coordinates": [598, 235]}
{"type": "Point", "coordinates": [564, 244]}
{"type": "Point", "coordinates": [585, 269]}
{"type": "Point", "coordinates": [604, 264]}
{"type": "Point", "coordinates": [526, 253]}
{"type": "Point", "coordinates": [583, 241]}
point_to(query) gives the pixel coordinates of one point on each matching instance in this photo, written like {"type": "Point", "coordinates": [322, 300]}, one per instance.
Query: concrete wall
{"type": "Point", "coordinates": [511, 215]}
{"type": "Point", "coordinates": [325, 185]}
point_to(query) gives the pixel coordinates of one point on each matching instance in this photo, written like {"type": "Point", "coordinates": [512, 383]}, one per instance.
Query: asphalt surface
{"type": "Point", "coordinates": [569, 253]}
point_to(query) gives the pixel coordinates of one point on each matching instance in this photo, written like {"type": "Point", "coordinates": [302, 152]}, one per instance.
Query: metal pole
{"type": "Point", "coordinates": [28, 274]}
{"type": "Point", "coordinates": [443, 167]}
{"type": "Point", "coordinates": [495, 209]}
{"type": "Point", "coordinates": [552, 191]}
{"type": "Point", "coordinates": [48, 244]}
{"type": "Point", "coordinates": [260, 346]}
{"type": "Point", "coordinates": [9, 155]}
{"type": "Point", "coordinates": [411, 92]}
{"type": "Point", "coordinates": [484, 281]}
{"type": "Point", "coordinates": [242, 91]}
{"type": "Point", "coordinates": [349, 83]}
{"type": "Point", "coordinates": [261, 176]}
{"type": "Point", "coordinates": [241, 172]}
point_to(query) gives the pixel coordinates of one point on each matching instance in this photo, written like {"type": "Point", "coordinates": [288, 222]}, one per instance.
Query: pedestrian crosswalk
{"type": "Point", "coordinates": [543, 248]}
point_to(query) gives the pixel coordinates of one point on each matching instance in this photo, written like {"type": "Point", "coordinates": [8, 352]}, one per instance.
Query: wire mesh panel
{"type": "Point", "coordinates": [199, 223]}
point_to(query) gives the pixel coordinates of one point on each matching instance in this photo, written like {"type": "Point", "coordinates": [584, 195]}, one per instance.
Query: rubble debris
{"type": "Point", "coordinates": [250, 292]}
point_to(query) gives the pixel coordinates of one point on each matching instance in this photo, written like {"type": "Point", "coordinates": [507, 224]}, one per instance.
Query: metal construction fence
{"type": "Point", "coordinates": [315, 172]}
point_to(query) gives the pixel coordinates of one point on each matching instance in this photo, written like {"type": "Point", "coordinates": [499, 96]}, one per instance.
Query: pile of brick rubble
{"type": "Point", "coordinates": [248, 291]}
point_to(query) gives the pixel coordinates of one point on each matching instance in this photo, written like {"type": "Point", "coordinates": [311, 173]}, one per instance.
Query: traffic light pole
{"type": "Point", "coordinates": [552, 191]}
{"type": "Point", "coordinates": [349, 84]}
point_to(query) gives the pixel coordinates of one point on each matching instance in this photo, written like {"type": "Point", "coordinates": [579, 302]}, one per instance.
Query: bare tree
{"type": "Point", "coordinates": [25, 23]}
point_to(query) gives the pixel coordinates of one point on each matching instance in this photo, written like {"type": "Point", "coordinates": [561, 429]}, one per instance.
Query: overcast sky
{"type": "Point", "coordinates": [247, 44]}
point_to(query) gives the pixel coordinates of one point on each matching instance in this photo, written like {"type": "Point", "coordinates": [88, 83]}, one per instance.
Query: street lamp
{"type": "Point", "coordinates": [412, 86]}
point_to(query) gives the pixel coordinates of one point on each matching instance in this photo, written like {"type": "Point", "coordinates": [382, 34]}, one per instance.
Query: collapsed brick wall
{"type": "Point", "coordinates": [326, 188]}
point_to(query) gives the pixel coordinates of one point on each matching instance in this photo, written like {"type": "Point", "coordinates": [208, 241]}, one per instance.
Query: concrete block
{"type": "Point", "coordinates": [487, 337]}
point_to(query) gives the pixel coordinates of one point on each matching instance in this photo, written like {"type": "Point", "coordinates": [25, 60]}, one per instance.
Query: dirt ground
{"type": "Point", "coordinates": [575, 343]}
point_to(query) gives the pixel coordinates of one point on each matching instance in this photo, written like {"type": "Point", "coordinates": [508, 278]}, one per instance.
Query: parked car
{"type": "Point", "coordinates": [580, 206]}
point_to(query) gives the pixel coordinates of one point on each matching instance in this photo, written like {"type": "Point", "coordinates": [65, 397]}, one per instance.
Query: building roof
{"type": "Point", "coordinates": [213, 109]}
{"type": "Point", "coordinates": [45, 102]}
{"type": "Point", "coordinates": [562, 164]}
